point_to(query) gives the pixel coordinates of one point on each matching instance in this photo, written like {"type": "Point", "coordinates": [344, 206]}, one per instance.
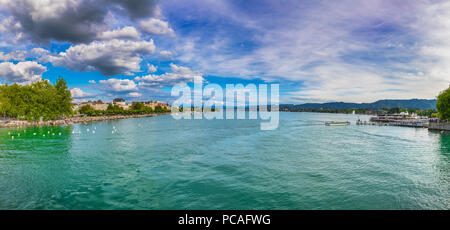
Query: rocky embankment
{"type": "Point", "coordinates": [72, 120]}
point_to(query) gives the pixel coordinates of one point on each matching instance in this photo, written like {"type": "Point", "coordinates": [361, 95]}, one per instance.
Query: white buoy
{"type": "Point", "coordinates": [9, 133]}
{"type": "Point", "coordinates": [34, 134]}
{"type": "Point", "coordinates": [59, 134]}
{"type": "Point", "coordinates": [93, 131]}
{"type": "Point", "coordinates": [87, 130]}
{"type": "Point", "coordinates": [43, 135]}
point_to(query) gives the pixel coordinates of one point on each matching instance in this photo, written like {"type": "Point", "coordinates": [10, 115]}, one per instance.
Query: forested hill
{"type": "Point", "coordinates": [421, 104]}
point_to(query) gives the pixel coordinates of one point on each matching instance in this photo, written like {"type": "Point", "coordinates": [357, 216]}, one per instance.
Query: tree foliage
{"type": "Point", "coordinates": [136, 108]}
{"type": "Point", "coordinates": [114, 108]}
{"type": "Point", "coordinates": [86, 109]}
{"type": "Point", "coordinates": [443, 105]}
{"type": "Point", "coordinates": [35, 101]}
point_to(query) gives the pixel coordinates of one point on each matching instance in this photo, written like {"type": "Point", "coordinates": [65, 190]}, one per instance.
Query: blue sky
{"type": "Point", "coordinates": [318, 51]}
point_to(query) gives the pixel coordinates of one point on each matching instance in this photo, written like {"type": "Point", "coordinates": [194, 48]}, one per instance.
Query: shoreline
{"type": "Point", "coordinates": [72, 120]}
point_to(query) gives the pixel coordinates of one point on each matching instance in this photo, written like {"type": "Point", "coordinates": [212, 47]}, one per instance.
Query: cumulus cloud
{"type": "Point", "coordinates": [179, 74]}
{"type": "Point", "coordinates": [127, 32]}
{"type": "Point", "coordinates": [166, 55]}
{"type": "Point", "coordinates": [38, 52]}
{"type": "Point", "coordinates": [21, 55]}
{"type": "Point", "coordinates": [77, 93]}
{"type": "Point", "coordinates": [15, 55]}
{"type": "Point", "coordinates": [134, 94]}
{"type": "Point", "coordinates": [156, 26]}
{"type": "Point", "coordinates": [75, 21]}
{"type": "Point", "coordinates": [118, 85]}
{"type": "Point", "coordinates": [151, 68]}
{"type": "Point", "coordinates": [109, 57]}
{"type": "Point", "coordinates": [22, 72]}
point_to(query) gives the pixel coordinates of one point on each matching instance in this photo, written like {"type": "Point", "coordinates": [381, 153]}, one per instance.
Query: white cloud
{"type": "Point", "coordinates": [134, 94]}
{"type": "Point", "coordinates": [166, 55]}
{"type": "Point", "coordinates": [78, 93]}
{"type": "Point", "coordinates": [22, 72]}
{"type": "Point", "coordinates": [155, 26]}
{"type": "Point", "coordinates": [21, 55]}
{"type": "Point", "coordinates": [109, 57]}
{"type": "Point", "coordinates": [127, 32]}
{"type": "Point", "coordinates": [15, 55]}
{"type": "Point", "coordinates": [345, 82]}
{"type": "Point", "coordinates": [118, 85]}
{"type": "Point", "coordinates": [38, 52]}
{"type": "Point", "coordinates": [92, 82]}
{"type": "Point", "coordinates": [434, 53]}
{"type": "Point", "coordinates": [151, 68]}
{"type": "Point", "coordinates": [179, 74]}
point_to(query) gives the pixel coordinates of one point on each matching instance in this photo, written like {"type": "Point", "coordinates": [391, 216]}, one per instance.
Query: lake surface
{"type": "Point", "coordinates": [162, 163]}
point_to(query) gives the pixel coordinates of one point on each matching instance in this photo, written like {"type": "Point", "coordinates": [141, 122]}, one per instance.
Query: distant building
{"type": "Point", "coordinates": [122, 103]}
{"type": "Point", "coordinates": [99, 105]}
{"type": "Point", "coordinates": [153, 104]}
{"type": "Point", "coordinates": [119, 101]}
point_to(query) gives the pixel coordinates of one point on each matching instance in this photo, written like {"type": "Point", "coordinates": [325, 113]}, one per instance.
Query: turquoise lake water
{"type": "Point", "coordinates": [162, 163]}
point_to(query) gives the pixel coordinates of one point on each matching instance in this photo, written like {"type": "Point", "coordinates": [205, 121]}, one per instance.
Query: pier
{"type": "Point", "coordinates": [436, 124]}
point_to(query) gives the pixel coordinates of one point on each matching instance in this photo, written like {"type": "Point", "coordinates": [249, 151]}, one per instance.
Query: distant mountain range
{"type": "Point", "coordinates": [421, 104]}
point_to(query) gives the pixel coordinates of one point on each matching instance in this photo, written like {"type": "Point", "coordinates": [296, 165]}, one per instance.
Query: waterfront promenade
{"type": "Point", "coordinates": [24, 123]}
{"type": "Point", "coordinates": [436, 124]}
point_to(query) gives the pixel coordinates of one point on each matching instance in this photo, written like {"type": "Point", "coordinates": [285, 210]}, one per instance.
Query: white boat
{"type": "Point", "coordinates": [337, 123]}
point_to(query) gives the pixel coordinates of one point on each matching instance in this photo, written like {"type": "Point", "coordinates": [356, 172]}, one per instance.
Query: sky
{"type": "Point", "coordinates": [316, 50]}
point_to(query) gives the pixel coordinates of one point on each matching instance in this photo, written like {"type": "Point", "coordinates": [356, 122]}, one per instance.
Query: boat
{"type": "Point", "coordinates": [337, 123]}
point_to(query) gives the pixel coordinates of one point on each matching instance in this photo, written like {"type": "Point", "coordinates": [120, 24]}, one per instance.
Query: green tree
{"type": "Point", "coordinates": [86, 109]}
{"type": "Point", "coordinates": [138, 106]}
{"type": "Point", "coordinates": [35, 101]}
{"type": "Point", "coordinates": [443, 105]}
{"type": "Point", "coordinates": [63, 97]}
{"type": "Point", "coordinates": [159, 109]}
{"type": "Point", "coordinates": [114, 108]}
